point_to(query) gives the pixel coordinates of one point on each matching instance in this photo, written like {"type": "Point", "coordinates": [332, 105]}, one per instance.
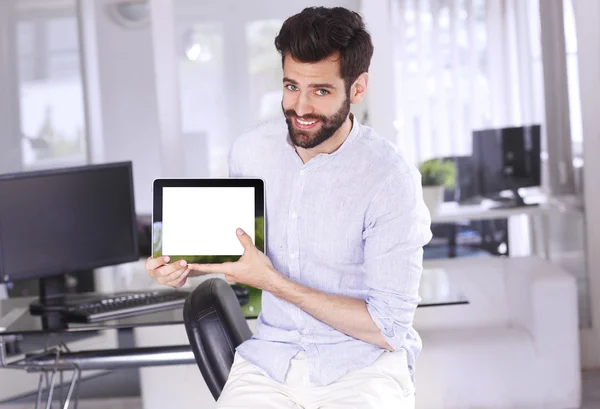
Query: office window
{"type": "Point", "coordinates": [201, 77]}
{"type": "Point", "coordinates": [264, 68]}
{"type": "Point", "coordinates": [459, 67]}
{"type": "Point", "coordinates": [50, 87]}
{"type": "Point", "coordinates": [236, 88]}
{"type": "Point", "coordinates": [202, 88]}
{"type": "Point", "coordinates": [214, 87]}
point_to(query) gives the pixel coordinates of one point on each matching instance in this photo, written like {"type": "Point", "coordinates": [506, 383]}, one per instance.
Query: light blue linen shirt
{"type": "Point", "coordinates": [350, 223]}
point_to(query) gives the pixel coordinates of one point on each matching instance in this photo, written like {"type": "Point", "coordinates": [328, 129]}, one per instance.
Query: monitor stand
{"type": "Point", "coordinates": [53, 300]}
{"type": "Point", "coordinates": [514, 202]}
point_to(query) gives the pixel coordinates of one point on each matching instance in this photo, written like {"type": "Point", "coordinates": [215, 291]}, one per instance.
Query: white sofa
{"type": "Point", "coordinates": [515, 345]}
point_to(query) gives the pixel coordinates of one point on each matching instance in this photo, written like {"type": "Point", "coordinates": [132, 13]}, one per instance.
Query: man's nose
{"type": "Point", "coordinates": [303, 106]}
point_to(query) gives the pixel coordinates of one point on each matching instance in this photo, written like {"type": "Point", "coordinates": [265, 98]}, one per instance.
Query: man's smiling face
{"type": "Point", "coordinates": [315, 100]}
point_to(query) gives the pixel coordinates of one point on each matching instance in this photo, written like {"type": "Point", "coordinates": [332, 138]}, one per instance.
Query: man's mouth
{"type": "Point", "coordinates": [305, 124]}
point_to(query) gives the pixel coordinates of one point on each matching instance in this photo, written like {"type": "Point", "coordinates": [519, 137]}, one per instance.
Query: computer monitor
{"type": "Point", "coordinates": [508, 159]}
{"type": "Point", "coordinates": [466, 188]}
{"type": "Point", "coordinates": [60, 221]}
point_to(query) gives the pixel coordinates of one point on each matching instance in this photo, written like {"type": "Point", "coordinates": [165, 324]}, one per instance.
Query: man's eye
{"type": "Point", "coordinates": [291, 87]}
{"type": "Point", "coordinates": [322, 92]}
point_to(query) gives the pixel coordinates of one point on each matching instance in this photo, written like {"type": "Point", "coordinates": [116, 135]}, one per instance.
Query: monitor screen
{"type": "Point", "coordinates": [60, 221]}
{"type": "Point", "coordinates": [507, 158]}
{"type": "Point", "coordinates": [467, 181]}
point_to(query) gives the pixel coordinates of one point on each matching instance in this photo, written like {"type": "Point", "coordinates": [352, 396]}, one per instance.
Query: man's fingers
{"type": "Point", "coordinates": [181, 280]}
{"type": "Point", "coordinates": [167, 280]}
{"type": "Point", "coordinates": [173, 275]}
{"type": "Point", "coordinates": [168, 269]}
{"type": "Point", "coordinates": [244, 239]}
{"type": "Point", "coordinates": [154, 263]}
{"type": "Point", "coordinates": [213, 268]}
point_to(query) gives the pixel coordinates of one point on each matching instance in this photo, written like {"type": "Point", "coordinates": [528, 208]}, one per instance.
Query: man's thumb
{"type": "Point", "coordinates": [244, 238]}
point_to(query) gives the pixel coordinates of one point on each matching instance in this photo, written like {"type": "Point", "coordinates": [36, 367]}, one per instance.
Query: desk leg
{"type": "Point", "coordinates": [452, 241]}
{"type": "Point", "coordinates": [545, 235]}
{"type": "Point", "coordinates": [541, 220]}
{"type": "Point", "coordinates": [40, 392]}
{"type": "Point", "coordinates": [51, 384]}
{"type": "Point", "coordinates": [54, 354]}
{"type": "Point", "coordinates": [72, 386]}
{"type": "Point", "coordinates": [533, 237]}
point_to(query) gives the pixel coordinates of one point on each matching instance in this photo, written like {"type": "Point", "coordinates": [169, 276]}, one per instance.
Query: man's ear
{"type": "Point", "coordinates": [359, 88]}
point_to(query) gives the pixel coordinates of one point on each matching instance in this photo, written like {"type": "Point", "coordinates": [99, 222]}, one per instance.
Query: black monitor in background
{"type": "Point", "coordinates": [466, 188]}
{"type": "Point", "coordinates": [66, 220]}
{"type": "Point", "coordinates": [507, 159]}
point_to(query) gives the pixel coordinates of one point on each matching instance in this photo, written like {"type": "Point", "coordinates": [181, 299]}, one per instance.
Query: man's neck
{"type": "Point", "coordinates": [330, 145]}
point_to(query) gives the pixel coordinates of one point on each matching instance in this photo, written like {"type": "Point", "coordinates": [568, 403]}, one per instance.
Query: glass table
{"type": "Point", "coordinates": [16, 323]}
{"type": "Point", "coordinates": [436, 289]}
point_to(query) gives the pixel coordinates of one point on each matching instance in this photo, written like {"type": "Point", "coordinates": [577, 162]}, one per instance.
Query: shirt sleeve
{"type": "Point", "coordinates": [397, 226]}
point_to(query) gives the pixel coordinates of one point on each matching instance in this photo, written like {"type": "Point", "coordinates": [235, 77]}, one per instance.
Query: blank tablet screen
{"type": "Point", "coordinates": [202, 220]}
{"type": "Point", "coordinates": [199, 223]}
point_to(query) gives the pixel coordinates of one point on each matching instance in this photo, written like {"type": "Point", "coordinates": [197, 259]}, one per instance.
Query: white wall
{"type": "Point", "coordinates": [557, 119]}
{"type": "Point", "coordinates": [10, 139]}
{"type": "Point", "coordinates": [381, 96]}
{"type": "Point", "coordinates": [587, 15]}
{"type": "Point", "coordinates": [166, 78]}
{"type": "Point", "coordinates": [122, 97]}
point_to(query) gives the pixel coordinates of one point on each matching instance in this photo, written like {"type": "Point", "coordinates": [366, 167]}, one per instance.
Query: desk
{"type": "Point", "coordinates": [436, 289]}
{"type": "Point", "coordinates": [537, 215]}
{"type": "Point", "coordinates": [159, 349]}
{"type": "Point", "coordinates": [452, 212]}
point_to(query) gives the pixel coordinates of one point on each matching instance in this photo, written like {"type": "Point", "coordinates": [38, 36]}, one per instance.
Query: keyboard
{"type": "Point", "coordinates": [124, 305]}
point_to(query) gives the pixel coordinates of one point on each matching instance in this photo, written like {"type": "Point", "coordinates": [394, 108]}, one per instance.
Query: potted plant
{"type": "Point", "coordinates": [436, 175]}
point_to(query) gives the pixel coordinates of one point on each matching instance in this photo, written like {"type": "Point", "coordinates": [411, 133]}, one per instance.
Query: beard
{"type": "Point", "coordinates": [328, 125]}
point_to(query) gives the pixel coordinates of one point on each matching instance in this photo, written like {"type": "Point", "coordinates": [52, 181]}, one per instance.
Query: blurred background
{"type": "Point", "coordinates": [169, 84]}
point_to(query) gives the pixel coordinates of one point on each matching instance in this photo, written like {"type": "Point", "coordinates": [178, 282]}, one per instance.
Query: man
{"type": "Point", "coordinates": [346, 224]}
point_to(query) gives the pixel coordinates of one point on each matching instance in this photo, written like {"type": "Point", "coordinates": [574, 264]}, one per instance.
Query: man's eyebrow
{"type": "Point", "coordinates": [321, 85]}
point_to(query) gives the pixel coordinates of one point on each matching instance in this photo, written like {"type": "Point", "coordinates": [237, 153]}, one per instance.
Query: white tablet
{"type": "Point", "coordinates": [196, 219]}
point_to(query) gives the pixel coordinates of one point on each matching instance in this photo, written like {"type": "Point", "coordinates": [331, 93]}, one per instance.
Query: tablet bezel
{"type": "Point", "coordinates": [259, 212]}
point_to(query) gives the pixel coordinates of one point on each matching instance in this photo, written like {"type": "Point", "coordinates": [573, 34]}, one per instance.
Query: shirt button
{"type": "Point", "coordinates": [294, 215]}
{"type": "Point", "coordinates": [302, 172]}
{"type": "Point", "coordinates": [293, 255]}
{"type": "Point", "coordinates": [305, 332]}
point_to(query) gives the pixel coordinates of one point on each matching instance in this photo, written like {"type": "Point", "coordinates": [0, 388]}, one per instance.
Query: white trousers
{"type": "Point", "coordinates": [386, 384]}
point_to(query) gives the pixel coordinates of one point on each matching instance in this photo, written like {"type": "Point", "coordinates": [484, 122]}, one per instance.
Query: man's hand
{"type": "Point", "coordinates": [254, 268]}
{"type": "Point", "coordinates": [173, 275]}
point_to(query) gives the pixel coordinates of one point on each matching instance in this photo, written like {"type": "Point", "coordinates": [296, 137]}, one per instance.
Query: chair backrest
{"type": "Point", "coordinates": [215, 326]}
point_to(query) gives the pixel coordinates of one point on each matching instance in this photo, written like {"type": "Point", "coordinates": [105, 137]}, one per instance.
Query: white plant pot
{"type": "Point", "coordinates": [433, 197]}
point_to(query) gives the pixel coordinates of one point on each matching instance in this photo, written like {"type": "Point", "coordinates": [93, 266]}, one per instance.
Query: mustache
{"type": "Point", "coordinates": [291, 113]}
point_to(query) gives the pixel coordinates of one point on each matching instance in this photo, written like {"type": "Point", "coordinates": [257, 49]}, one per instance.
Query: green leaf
{"type": "Point", "coordinates": [438, 172]}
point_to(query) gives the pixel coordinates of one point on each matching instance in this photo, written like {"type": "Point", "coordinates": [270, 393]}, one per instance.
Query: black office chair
{"type": "Point", "coordinates": [215, 326]}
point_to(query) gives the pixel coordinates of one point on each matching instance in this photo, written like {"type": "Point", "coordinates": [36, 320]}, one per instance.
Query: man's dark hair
{"type": "Point", "coordinates": [318, 32]}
